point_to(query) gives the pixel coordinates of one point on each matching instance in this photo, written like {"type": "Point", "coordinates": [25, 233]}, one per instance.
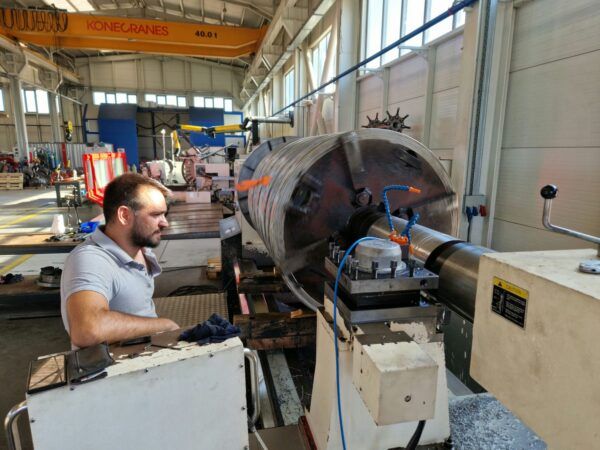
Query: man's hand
{"type": "Point", "coordinates": [169, 325]}
{"type": "Point", "coordinates": [92, 322]}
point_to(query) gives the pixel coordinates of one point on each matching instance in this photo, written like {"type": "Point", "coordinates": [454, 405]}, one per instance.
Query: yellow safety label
{"type": "Point", "coordinates": [510, 301]}
{"type": "Point", "coordinates": [512, 288]}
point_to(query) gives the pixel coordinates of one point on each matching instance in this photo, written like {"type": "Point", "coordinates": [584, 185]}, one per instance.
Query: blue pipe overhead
{"type": "Point", "coordinates": [451, 11]}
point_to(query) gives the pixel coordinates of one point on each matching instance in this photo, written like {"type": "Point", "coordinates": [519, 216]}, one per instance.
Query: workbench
{"type": "Point", "coordinates": [186, 221]}
{"type": "Point", "coordinates": [27, 290]}
{"type": "Point", "coordinates": [26, 299]}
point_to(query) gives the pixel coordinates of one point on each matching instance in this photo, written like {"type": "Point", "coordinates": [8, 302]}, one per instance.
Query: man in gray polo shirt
{"type": "Point", "coordinates": [107, 283]}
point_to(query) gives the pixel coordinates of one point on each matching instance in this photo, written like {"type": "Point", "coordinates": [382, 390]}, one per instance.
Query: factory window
{"type": "Point", "coordinates": [150, 98]}
{"type": "Point", "coordinates": [288, 88]}
{"type": "Point", "coordinates": [319, 54]}
{"type": "Point", "coordinates": [2, 100]}
{"type": "Point", "coordinates": [385, 21]}
{"type": "Point", "coordinates": [434, 9]}
{"type": "Point", "coordinates": [30, 105]}
{"type": "Point", "coordinates": [213, 102]}
{"type": "Point", "coordinates": [413, 18]}
{"type": "Point", "coordinates": [99, 98]}
{"type": "Point", "coordinates": [171, 100]}
{"type": "Point", "coordinates": [113, 98]}
{"type": "Point", "coordinates": [161, 100]}
{"type": "Point", "coordinates": [392, 27]}
{"type": "Point", "coordinates": [36, 101]}
{"type": "Point", "coordinates": [459, 18]}
{"type": "Point", "coordinates": [182, 102]}
{"type": "Point", "coordinates": [374, 30]}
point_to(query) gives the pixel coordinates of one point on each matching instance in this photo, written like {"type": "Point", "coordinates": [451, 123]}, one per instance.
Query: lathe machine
{"type": "Point", "coordinates": [361, 226]}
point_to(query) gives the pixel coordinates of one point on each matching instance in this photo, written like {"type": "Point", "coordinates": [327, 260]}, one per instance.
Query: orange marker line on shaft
{"type": "Point", "coordinates": [246, 185]}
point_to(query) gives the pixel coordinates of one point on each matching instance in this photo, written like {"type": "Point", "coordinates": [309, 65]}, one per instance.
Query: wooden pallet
{"type": "Point", "coordinates": [11, 181]}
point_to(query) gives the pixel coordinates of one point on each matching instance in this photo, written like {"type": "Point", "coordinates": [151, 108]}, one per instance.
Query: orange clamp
{"type": "Point", "coordinates": [402, 240]}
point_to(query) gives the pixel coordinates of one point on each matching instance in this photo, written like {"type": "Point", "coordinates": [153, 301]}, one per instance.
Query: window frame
{"type": "Point", "coordinates": [287, 101]}
{"type": "Point", "coordinates": [325, 36]}
{"type": "Point", "coordinates": [421, 40]}
{"type": "Point", "coordinates": [35, 92]}
{"type": "Point", "coordinates": [198, 101]}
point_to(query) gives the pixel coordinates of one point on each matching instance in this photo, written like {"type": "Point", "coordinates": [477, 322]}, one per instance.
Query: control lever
{"type": "Point", "coordinates": [549, 193]}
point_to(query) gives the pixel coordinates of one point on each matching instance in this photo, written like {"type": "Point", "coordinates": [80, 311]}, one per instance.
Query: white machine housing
{"type": "Point", "coordinates": [170, 399]}
{"type": "Point", "coordinates": [546, 371]}
{"type": "Point", "coordinates": [408, 385]}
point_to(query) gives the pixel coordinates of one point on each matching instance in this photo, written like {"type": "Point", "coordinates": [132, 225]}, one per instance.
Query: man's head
{"type": "Point", "coordinates": [136, 205]}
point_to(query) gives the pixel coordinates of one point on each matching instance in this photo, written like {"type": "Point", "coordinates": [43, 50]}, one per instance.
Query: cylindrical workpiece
{"type": "Point", "coordinates": [317, 183]}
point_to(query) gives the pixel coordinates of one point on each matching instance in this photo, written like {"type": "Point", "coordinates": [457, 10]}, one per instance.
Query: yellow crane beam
{"type": "Point", "coordinates": [91, 32]}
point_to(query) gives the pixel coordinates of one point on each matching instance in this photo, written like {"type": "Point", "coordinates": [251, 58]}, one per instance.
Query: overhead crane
{"type": "Point", "coordinates": [59, 29]}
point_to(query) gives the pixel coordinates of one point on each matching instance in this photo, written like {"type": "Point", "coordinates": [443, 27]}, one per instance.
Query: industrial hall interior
{"type": "Point", "coordinates": [299, 224]}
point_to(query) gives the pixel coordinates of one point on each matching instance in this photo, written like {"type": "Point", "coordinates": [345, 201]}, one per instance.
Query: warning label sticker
{"type": "Point", "coordinates": [510, 301]}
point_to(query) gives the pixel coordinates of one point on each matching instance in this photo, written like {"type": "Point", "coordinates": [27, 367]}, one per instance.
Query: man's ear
{"type": "Point", "coordinates": [124, 215]}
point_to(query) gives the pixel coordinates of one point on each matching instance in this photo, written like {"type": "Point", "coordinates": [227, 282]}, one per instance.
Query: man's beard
{"type": "Point", "coordinates": [144, 240]}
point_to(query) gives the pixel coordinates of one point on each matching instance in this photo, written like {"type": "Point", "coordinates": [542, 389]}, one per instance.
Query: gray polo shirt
{"type": "Point", "coordinates": [98, 264]}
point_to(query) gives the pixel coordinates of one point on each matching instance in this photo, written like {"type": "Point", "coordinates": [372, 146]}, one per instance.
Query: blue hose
{"type": "Point", "coordinates": [335, 339]}
{"type": "Point", "coordinates": [411, 222]}
{"type": "Point", "coordinates": [386, 203]}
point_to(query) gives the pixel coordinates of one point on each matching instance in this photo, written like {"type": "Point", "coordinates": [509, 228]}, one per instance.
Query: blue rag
{"type": "Point", "coordinates": [215, 329]}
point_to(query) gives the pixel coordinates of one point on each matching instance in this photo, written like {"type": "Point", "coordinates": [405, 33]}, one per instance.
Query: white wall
{"type": "Point", "coordinates": [408, 89]}
{"type": "Point", "coordinates": [552, 126]}
{"type": "Point", "coordinates": [151, 74]}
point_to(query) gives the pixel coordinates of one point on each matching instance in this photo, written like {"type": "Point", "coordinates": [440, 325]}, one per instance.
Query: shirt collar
{"type": "Point", "coordinates": [99, 238]}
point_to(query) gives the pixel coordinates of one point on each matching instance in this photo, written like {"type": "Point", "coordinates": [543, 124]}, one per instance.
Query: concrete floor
{"type": "Point", "coordinates": [32, 210]}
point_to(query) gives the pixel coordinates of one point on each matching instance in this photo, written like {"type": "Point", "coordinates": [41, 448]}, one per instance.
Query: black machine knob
{"type": "Point", "coordinates": [549, 191]}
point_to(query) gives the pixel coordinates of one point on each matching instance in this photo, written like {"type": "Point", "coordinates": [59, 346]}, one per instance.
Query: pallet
{"type": "Point", "coordinates": [11, 181]}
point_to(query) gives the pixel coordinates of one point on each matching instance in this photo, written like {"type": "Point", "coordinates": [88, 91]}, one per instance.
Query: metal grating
{"type": "Point", "coordinates": [190, 310]}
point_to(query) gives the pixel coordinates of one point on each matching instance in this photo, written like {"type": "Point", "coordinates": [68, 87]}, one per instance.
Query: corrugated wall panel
{"type": "Point", "coordinates": [415, 108]}
{"type": "Point", "coordinates": [370, 92]}
{"type": "Point", "coordinates": [102, 74]}
{"type": "Point", "coordinates": [125, 75]}
{"type": "Point", "coordinates": [447, 64]}
{"type": "Point", "coordinates": [201, 78]}
{"type": "Point", "coordinates": [221, 80]}
{"type": "Point", "coordinates": [513, 237]}
{"type": "Point", "coordinates": [555, 104]}
{"type": "Point", "coordinates": [554, 29]}
{"type": "Point", "coordinates": [443, 119]}
{"type": "Point", "coordinates": [175, 75]}
{"type": "Point", "coordinates": [575, 170]}
{"type": "Point", "coordinates": [362, 116]}
{"type": "Point", "coordinates": [407, 79]}
{"type": "Point", "coordinates": [552, 126]}
{"type": "Point", "coordinates": [153, 76]}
